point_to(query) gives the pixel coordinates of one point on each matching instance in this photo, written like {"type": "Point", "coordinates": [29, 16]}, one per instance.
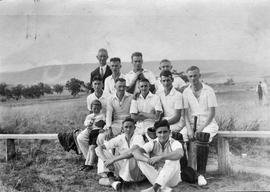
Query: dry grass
{"type": "Point", "coordinates": [44, 166]}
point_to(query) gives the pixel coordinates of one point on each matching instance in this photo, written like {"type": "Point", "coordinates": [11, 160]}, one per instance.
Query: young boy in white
{"type": "Point", "coordinates": [200, 102]}
{"type": "Point", "coordinates": [124, 165]}
{"type": "Point", "coordinates": [87, 138]}
{"type": "Point", "coordinates": [145, 108]}
{"type": "Point", "coordinates": [159, 159]}
{"type": "Point", "coordinates": [98, 94]}
{"type": "Point", "coordinates": [172, 104]}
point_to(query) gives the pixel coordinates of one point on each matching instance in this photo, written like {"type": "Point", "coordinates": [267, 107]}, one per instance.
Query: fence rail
{"type": "Point", "coordinates": [224, 165]}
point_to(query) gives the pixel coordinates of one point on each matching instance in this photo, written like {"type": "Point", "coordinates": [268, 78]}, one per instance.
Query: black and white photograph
{"type": "Point", "coordinates": [134, 95]}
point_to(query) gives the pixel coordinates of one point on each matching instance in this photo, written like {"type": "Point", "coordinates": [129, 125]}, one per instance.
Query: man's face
{"type": "Point", "coordinates": [137, 62]}
{"type": "Point", "coordinates": [102, 57]}
{"type": "Point", "coordinates": [165, 66]}
{"type": "Point", "coordinates": [128, 128]}
{"type": "Point", "coordinates": [97, 85]}
{"type": "Point", "coordinates": [166, 81]}
{"type": "Point", "coordinates": [120, 87]}
{"type": "Point", "coordinates": [115, 67]}
{"type": "Point", "coordinates": [144, 88]}
{"type": "Point", "coordinates": [163, 134]}
{"type": "Point", "coordinates": [96, 109]}
{"type": "Point", "coordinates": [194, 77]}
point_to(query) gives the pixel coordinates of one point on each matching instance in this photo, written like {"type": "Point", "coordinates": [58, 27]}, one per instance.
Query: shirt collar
{"type": "Point", "coordinates": [149, 95]}
{"type": "Point", "coordinates": [103, 67]}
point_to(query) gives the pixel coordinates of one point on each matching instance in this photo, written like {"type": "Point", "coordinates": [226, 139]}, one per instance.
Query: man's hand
{"type": "Point", "coordinates": [190, 133]}
{"type": "Point", "coordinates": [109, 162]}
{"type": "Point", "coordinates": [108, 134]}
{"type": "Point", "coordinates": [154, 160]}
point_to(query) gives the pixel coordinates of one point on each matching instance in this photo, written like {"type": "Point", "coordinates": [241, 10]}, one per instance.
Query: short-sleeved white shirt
{"type": "Point", "coordinates": [201, 106]}
{"type": "Point", "coordinates": [116, 109]}
{"type": "Point", "coordinates": [147, 74]}
{"type": "Point", "coordinates": [109, 84]}
{"type": "Point", "coordinates": [154, 148]}
{"type": "Point", "coordinates": [103, 99]}
{"type": "Point", "coordinates": [93, 118]}
{"type": "Point", "coordinates": [121, 144]}
{"type": "Point", "coordinates": [171, 102]}
{"type": "Point", "coordinates": [178, 83]}
{"type": "Point", "coordinates": [149, 103]}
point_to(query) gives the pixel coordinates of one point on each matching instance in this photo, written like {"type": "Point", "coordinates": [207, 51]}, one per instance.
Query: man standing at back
{"type": "Point", "coordinates": [137, 73]}
{"type": "Point", "coordinates": [103, 70]}
{"type": "Point", "coordinates": [178, 83]}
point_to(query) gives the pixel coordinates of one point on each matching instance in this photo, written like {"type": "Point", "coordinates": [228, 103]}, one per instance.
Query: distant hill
{"type": "Point", "coordinates": [212, 71]}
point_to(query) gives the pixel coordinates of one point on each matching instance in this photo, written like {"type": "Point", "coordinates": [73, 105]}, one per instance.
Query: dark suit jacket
{"type": "Point", "coordinates": [96, 72]}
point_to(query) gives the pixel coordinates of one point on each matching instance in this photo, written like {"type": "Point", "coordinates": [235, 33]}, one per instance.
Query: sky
{"type": "Point", "coordinates": [47, 32]}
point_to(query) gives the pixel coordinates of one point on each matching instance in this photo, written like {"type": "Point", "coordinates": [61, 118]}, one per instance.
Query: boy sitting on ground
{"type": "Point", "coordinates": [94, 122]}
{"type": "Point", "coordinates": [159, 159]}
{"type": "Point", "coordinates": [122, 165]}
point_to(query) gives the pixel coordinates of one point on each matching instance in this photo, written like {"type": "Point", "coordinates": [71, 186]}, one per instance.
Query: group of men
{"type": "Point", "coordinates": [141, 114]}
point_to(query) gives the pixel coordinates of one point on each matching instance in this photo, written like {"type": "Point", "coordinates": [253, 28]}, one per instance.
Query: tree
{"type": "Point", "coordinates": [88, 86]}
{"type": "Point", "coordinates": [47, 89]}
{"type": "Point", "coordinates": [74, 86]}
{"type": "Point", "coordinates": [2, 89]}
{"type": "Point", "coordinates": [17, 91]}
{"type": "Point", "coordinates": [58, 88]}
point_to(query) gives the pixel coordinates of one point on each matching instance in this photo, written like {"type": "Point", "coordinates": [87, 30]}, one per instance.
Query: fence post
{"type": "Point", "coordinates": [224, 166]}
{"type": "Point", "coordinates": [192, 155]}
{"type": "Point", "coordinates": [10, 149]}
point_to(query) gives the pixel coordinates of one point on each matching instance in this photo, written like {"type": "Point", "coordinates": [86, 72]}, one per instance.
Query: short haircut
{"type": "Point", "coordinates": [97, 78]}
{"type": "Point", "coordinates": [103, 50]}
{"type": "Point", "coordinates": [161, 123]}
{"type": "Point", "coordinates": [136, 54]}
{"type": "Point", "coordinates": [115, 59]}
{"type": "Point", "coordinates": [165, 61]}
{"type": "Point", "coordinates": [128, 119]}
{"type": "Point", "coordinates": [193, 68]}
{"type": "Point", "coordinates": [120, 79]}
{"type": "Point", "coordinates": [144, 80]}
{"type": "Point", "coordinates": [166, 74]}
{"type": "Point", "coordinates": [96, 102]}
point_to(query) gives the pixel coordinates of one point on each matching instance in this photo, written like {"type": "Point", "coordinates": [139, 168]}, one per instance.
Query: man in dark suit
{"type": "Point", "coordinates": [103, 70]}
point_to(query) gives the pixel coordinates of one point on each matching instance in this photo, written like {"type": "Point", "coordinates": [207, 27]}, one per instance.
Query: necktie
{"type": "Point", "coordinates": [101, 72]}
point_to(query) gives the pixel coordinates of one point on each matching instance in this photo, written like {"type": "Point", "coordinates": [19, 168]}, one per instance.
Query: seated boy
{"type": "Point", "coordinates": [159, 159]}
{"type": "Point", "coordinates": [123, 165]}
{"type": "Point", "coordinates": [87, 138]}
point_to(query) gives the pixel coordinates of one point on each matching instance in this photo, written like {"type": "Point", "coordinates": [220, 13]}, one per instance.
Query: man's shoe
{"type": "Point", "coordinates": [166, 189]}
{"type": "Point", "coordinates": [201, 180]}
{"type": "Point", "coordinates": [150, 189]}
{"type": "Point", "coordinates": [116, 185]}
{"type": "Point", "coordinates": [105, 181]}
{"type": "Point", "coordinates": [86, 167]}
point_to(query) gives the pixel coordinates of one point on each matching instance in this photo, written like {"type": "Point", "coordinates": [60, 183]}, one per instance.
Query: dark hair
{"type": "Point", "coordinates": [128, 119]}
{"type": "Point", "coordinates": [120, 79]}
{"type": "Point", "coordinates": [193, 68]}
{"type": "Point", "coordinates": [166, 74]}
{"type": "Point", "coordinates": [115, 59]}
{"type": "Point", "coordinates": [144, 80]}
{"type": "Point", "coordinates": [165, 60]}
{"type": "Point", "coordinates": [97, 78]}
{"type": "Point", "coordinates": [136, 54]}
{"type": "Point", "coordinates": [96, 102]}
{"type": "Point", "coordinates": [161, 123]}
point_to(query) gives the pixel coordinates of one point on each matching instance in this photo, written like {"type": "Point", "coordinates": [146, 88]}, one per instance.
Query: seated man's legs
{"type": "Point", "coordinates": [203, 139]}
{"type": "Point", "coordinates": [83, 141]}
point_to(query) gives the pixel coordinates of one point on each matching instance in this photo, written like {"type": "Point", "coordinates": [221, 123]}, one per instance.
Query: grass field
{"type": "Point", "coordinates": [44, 166]}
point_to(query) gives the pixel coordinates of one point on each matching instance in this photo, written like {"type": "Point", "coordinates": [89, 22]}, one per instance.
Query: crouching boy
{"type": "Point", "coordinates": [159, 159]}
{"type": "Point", "coordinates": [122, 165]}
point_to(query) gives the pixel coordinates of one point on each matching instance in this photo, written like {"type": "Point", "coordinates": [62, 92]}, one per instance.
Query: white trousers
{"type": "Point", "coordinates": [83, 142]}
{"type": "Point", "coordinates": [127, 169]}
{"type": "Point", "coordinates": [167, 176]}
